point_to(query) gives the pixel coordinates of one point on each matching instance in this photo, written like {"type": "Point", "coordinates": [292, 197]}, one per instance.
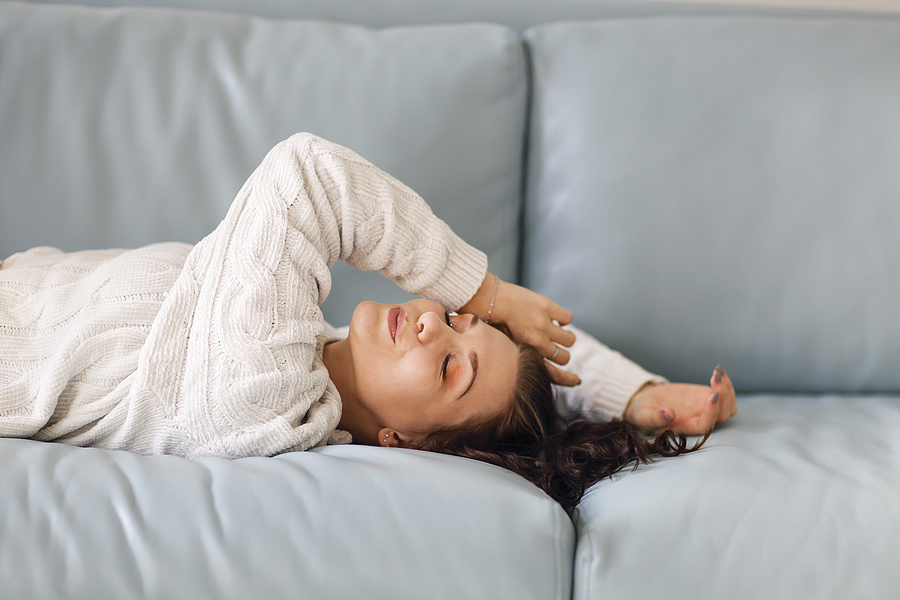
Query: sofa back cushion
{"type": "Point", "coordinates": [518, 14]}
{"type": "Point", "coordinates": [714, 190]}
{"type": "Point", "coordinates": [123, 127]}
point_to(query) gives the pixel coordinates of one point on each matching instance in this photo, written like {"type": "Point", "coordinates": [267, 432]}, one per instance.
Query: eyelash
{"type": "Point", "coordinates": [447, 359]}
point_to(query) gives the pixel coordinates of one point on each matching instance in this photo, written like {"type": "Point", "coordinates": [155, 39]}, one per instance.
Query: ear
{"type": "Point", "coordinates": [388, 438]}
{"type": "Point", "coordinates": [392, 439]}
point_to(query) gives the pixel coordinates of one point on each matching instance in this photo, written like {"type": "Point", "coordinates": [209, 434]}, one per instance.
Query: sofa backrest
{"type": "Point", "coordinates": [122, 127]}
{"type": "Point", "coordinates": [517, 14]}
{"type": "Point", "coordinates": [772, 142]}
{"type": "Point", "coordinates": [718, 190]}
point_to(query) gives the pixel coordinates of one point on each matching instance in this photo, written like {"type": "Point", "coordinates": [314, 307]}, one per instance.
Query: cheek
{"type": "Point", "coordinates": [396, 386]}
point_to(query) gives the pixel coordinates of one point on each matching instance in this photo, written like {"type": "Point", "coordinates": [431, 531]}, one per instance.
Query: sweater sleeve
{"type": "Point", "coordinates": [372, 221]}
{"type": "Point", "coordinates": [216, 350]}
{"type": "Point", "coordinates": [608, 380]}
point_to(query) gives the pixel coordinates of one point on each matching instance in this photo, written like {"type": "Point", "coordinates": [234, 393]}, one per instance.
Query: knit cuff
{"type": "Point", "coordinates": [620, 385]}
{"type": "Point", "coordinates": [463, 274]}
{"type": "Point", "coordinates": [608, 380]}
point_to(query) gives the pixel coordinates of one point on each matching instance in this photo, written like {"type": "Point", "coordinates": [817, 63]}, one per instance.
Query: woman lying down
{"type": "Point", "coordinates": [220, 349]}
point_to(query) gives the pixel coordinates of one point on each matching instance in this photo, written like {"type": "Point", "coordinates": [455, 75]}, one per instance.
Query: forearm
{"type": "Point", "coordinates": [608, 380]}
{"type": "Point", "coordinates": [385, 226]}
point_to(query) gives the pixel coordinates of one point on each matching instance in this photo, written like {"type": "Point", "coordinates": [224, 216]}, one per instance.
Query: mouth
{"type": "Point", "coordinates": [395, 322]}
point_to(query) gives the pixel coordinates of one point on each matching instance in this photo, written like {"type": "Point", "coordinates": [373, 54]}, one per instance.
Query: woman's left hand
{"type": "Point", "coordinates": [683, 408]}
{"type": "Point", "coordinates": [531, 318]}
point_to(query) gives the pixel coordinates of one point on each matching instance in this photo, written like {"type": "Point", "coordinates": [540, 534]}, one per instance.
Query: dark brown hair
{"type": "Point", "coordinates": [562, 458]}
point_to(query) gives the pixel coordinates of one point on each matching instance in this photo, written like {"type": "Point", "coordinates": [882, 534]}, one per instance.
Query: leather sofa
{"type": "Point", "coordinates": [699, 183]}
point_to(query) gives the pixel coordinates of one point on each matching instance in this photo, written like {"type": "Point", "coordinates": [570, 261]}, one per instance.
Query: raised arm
{"type": "Point", "coordinates": [353, 211]}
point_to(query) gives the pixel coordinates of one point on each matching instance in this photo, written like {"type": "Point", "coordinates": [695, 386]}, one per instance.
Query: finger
{"type": "Point", "coordinates": [560, 377]}
{"type": "Point", "coordinates": [721, 378]}
{"type": "Point", "coordinates": [717, 376]}
{"type": "Point", "coordinates": [557, 354]}
{"type": "Point", "coordinates": [726, 411]}
{"type": "Point", "coordinates": [706, 420]}
{"type": "Point", "coordinates": [728, 408]}
{"type": "Point", "coordinates": [721, 383]}
{"type": "Point", "coordinates": [563, 337]}
{"type": "Point", "coordinates": [655, 419]}
{"type": "Point", "coordinates": [559, 314]}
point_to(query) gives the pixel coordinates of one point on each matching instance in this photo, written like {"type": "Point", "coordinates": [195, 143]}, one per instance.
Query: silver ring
{"type": "Point", "coordinates": [555, 353]}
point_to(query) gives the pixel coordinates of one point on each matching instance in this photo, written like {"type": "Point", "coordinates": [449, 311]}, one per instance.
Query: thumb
{"type": "Point", "coordinates": [655, 419]}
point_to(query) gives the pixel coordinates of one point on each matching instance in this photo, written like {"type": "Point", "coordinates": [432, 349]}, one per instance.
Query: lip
{"type": "Point", "coordinates": [395, 320]}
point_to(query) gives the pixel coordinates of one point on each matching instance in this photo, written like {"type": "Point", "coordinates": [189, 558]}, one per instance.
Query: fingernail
{"type": "Point", "coordinates": [717, 374]}
{"type": "Point", "coordinates": [666, 417]}
{"type": "Point", "coordinates": [716, 398]}
{"type": "Point", "coordinates": [579, 381]}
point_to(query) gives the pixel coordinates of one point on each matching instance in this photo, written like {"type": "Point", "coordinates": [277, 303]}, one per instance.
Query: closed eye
{"type": "Point", "coordinates": [447, 359]}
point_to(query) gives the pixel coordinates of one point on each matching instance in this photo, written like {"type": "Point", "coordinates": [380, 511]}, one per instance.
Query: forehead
{"type": "Point", "coordinates": [497, 370]}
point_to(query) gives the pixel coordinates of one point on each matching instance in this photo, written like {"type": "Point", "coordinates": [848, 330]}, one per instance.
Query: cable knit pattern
{"type": "Point", "coordinates": [216, 350]}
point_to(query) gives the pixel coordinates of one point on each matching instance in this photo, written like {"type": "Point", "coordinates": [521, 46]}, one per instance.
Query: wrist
{"type": "Point", "coordinates": [483, 302]}
{"type": "Point", "coordinates": [635, 402]}
{"type": "Point", "coordinates": [490, 310]}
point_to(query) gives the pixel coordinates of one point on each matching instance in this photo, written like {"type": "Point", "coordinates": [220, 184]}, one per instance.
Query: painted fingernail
{"type": "Point", "coordinates": [715, 399]}
{"type": "Point", "coordinates": [717, 374]}
{"type": "Point", "coordinates": [666, 416]}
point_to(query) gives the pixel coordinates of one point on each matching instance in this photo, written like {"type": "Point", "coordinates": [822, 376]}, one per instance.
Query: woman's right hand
{"type": "Point", "coordinates": [531, 318]}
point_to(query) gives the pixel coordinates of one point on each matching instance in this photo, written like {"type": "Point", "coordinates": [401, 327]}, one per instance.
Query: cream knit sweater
{"type": "Point", "coordinates": [216, 349]}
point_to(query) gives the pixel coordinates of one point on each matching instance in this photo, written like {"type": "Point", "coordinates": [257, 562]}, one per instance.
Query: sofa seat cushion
{"type": "Point", "coordinates": [723, 190]}
{"type": "Point", "coordinates": [337, 522]}
{"type": "Point", "coordinates": [795, 497]}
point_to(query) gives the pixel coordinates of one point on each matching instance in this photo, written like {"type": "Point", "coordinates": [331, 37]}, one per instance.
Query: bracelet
{"type": "Point", "coordinates": [493, 297]}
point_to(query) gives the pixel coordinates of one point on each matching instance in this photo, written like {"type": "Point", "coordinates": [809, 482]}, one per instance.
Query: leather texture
{"type": "Point", "coordinates": [714, 190]}
{"type": "Point", "coordinates": [699, 190]}
{"type": "Point", "coordinates": [338, 522]}
{"type": "Point", "coordinates": [518, 14]}
{"type": "Point", "coordinates": [796, 497]}
{"type": "Point", "coordinates": [132, 126]}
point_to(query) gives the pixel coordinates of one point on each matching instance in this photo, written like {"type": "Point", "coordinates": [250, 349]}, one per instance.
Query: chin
{"type": "Point", "coordinates": [365, 319]}
{"type": "Point", "coordinates": [362, 309]}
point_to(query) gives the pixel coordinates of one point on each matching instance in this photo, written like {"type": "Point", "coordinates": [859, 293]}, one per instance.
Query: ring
{"type": "Point", "coordinates": [555, 353]}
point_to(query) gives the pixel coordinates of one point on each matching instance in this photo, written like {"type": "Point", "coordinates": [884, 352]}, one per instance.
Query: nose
{"type": "Point", "coordinates": [431, 326]}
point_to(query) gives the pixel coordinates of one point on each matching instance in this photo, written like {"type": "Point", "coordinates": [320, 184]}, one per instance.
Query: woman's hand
{"type": "Point", "coordinates": [683, 408]}
{"type": "Point", "coordinates": [531, 318]}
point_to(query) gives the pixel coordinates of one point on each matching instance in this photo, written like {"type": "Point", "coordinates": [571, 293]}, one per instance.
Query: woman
{"type": "Point", "coordinates": [221, 350]}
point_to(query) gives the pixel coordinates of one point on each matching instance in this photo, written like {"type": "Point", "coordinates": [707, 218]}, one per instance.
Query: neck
{"type": "Point", "coordinates": [355, 417]}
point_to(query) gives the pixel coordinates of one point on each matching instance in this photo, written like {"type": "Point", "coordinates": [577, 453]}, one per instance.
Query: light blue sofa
{"type": "Point", "coordinates": [700, 184]}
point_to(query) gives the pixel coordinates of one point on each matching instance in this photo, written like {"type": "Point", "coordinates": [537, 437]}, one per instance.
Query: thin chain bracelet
{"type": "Point", "coordinates": [493, 297]}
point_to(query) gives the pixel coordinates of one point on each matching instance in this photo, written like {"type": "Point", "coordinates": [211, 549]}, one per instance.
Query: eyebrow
{"type": "Point", "coordinates": [473, 358]}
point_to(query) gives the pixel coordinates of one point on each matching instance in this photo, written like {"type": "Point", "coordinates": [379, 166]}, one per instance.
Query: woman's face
{"type": "Point", "coordinates": [418, 369]}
